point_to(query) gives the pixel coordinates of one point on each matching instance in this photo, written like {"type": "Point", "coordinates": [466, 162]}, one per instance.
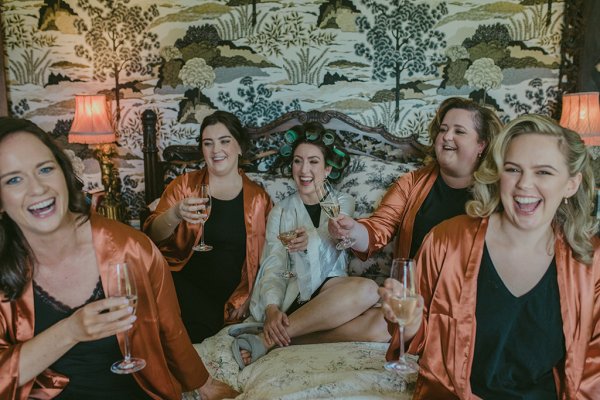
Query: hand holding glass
{"type": "Point", "coordinates": [121, 283]}
{"type": "Point", "coordinates": [288, 223]}
{"type": "Point", "coordinates": [330, 204]}
{"type": "Point", "coordinates": [404, 304]}
{"type": "Point", "coordinates": [203, 191]}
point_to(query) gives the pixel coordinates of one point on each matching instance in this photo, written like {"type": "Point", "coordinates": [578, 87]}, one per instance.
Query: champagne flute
{"type": "Point", "coordinates": [403, 305]}
{"type": "Point", "coordinates": [288, 223]}
{"type": "Point", "coordinates": [121, 283]}
{"type": "Point", "coordinates": [330, 204]}
{"type": "Point", "coordinates": [204, 193]}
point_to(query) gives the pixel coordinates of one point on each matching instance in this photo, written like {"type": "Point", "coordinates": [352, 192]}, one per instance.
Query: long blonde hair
{"type": "Point", "coordinates": [573, 217]}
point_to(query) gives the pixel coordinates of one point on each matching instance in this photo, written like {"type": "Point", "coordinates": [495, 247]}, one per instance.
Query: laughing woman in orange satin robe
{"type": "Point", "coordinates": [460, 133]}
{"type": "Point", "coordinates": [512, 291]}
{"type": "Point", "coordinates": [57, 327]}
{"type": "Point", "coordinates": [213, 287]}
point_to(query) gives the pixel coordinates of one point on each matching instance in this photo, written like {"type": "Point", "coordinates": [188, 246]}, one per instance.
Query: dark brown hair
{"type": "Point", "coordinates": [233, 125]}
{"type": "Point", "coordinates": [16, 256]}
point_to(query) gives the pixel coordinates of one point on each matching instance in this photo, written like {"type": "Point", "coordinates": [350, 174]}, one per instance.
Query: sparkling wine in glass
{"type": "Point", "coordinates": [330, 204]}
{"type": "Point", "coordinates": [288, 223]}
{"type": "Point", "coordinates": [404, 305]}
{"type": "Point", "coordinates": [121, 283]}
{"type": "Point", "coordinates": [204, 193]}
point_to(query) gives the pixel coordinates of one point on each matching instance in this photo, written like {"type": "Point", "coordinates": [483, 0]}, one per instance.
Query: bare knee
{"type": "Point", "coordinates": [376, 327]}
{"type": "Point", "coordinates": [364, 290]}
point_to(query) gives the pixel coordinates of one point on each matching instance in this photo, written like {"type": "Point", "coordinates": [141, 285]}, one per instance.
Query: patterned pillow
{"type": "Point", "coordinates": [278, 186]}
{"type": "Point", "coordinates": [367, 179]}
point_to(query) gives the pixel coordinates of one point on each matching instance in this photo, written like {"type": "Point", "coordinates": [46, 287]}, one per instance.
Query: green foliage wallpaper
{"type": "Point", "coordinates": [384, 62]}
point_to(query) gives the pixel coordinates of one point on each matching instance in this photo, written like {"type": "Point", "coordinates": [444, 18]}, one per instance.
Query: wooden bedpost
{"type": "Point", "coordinates": [152, 169]}
{"type": "Point", "coordinates": [3, 88]}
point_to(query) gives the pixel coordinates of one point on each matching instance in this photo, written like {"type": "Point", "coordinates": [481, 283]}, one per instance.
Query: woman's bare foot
{"type": "Point", "coordinates": [247, 357]}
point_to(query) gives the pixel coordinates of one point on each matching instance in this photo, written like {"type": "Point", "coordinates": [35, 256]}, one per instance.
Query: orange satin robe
{"type": "Point", "coordinates": [177, 248]}
{"type": "Point", "coordinates": [448, 262]}
{"type": "Point", "coordinates": [158, 335]}
{"type": "Point", "coordinates": [397, 211]}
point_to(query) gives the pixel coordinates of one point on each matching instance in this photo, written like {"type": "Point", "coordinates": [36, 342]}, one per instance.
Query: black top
{"type": "Point", "coordinates": [442, 203]}
{"type": "Point", "coordinates": [314, 210]}
{"type": "Point", "coordinates": [210, 277]}
{"type": "Point", "coordinates": [518, 339]}
{"type": "Point", "coordinates": [87, 364]}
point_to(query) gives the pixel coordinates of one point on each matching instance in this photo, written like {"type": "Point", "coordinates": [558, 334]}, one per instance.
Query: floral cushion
{"type": "Point", "coordinates": [367, 179]}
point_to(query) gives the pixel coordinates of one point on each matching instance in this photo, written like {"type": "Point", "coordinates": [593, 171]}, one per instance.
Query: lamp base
{"type": "Point", "coordinates": [111, 211]}
{"type": "Point", "coordinates": [110, 206]}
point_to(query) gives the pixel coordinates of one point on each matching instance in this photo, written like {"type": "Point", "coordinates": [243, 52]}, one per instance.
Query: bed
{"type": "Point", "coordinates": [351, 370]}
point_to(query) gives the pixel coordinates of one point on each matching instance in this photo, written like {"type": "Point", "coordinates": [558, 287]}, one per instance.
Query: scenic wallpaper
{"type": "Point", "coordinates": [383, 62]}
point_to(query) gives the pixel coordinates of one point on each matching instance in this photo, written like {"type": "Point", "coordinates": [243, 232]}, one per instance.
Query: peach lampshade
{"type": "Point", "coordinates": [91, 124]}
{"type": "Point", "coordinates": [581, 113]}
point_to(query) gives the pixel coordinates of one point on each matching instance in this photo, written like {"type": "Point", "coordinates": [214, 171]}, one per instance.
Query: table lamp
{"type": "Point", "coordinates": [92, 125]}
{"type": "Point", "coordinates": [581, 113]}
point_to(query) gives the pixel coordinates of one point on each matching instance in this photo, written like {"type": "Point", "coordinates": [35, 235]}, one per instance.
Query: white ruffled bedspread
{"type": "Point", "coordinates": [351, 370]}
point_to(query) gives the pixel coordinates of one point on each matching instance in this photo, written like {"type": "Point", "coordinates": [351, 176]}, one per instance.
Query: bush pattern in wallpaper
{"type": "Point", "coordinates": [384, 62]}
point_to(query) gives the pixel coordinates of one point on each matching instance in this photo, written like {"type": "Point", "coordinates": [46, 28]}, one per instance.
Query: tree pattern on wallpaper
{"type": "Point", "coordinates": [402, 38]}
{"type": "Point", "coordinates": [118, 40]}
{"type": "Point", "coordinates": [479, 63]}
{"type": "Point", "coordinates": [383, 62]}
{"type": "Point", "coordinates": [254, 107]}
{"type": "Point", "coordinates": [292, 32]}
{"type": "Point", "coordinates": [31, 49]}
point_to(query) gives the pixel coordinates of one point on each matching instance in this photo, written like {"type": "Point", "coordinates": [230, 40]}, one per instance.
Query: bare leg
{"type": "Point", "coordinates": [341, 300]}
{"type": "Point", "coordinates": [216, 390]}
{"type": "Point", "coordinates": [368, 327]}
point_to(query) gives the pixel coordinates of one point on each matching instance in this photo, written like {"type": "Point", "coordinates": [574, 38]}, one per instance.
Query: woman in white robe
{"type": "Point", "coordinates": [320, 303]}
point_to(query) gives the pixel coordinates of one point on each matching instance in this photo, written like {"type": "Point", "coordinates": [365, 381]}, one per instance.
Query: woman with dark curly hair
{"type": "Point", "coordinates": [320, 303]}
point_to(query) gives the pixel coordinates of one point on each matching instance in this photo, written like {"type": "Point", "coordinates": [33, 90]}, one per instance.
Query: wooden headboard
{"type": "Point", "coordinates": [359, 139]}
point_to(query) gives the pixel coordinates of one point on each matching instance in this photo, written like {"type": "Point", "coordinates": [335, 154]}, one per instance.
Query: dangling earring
{"type": "Point", "coordinates": [478, 155]}
{"type": "Point", "coordinates": [566, 201]}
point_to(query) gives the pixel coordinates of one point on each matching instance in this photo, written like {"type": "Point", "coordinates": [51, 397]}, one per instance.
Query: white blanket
{"type": "Point", "coordinates": [351, 370]}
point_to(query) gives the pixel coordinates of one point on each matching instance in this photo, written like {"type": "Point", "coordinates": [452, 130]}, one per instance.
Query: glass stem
{"type": "Point", "coordinates": [289, 260]}
{"type": "Point", "coordinates": [202, 235]}
{"type": "Point", "coordinates": [127, 349]}
{"type": "Point", "coordinates": [401, 339]}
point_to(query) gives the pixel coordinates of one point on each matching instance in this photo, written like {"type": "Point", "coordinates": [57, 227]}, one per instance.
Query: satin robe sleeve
{"type": "Point", "coordinates": [322, 259]}
{"type": "Point", "coordinates": [158, 335]}
{"type": "Point", "coordinates": [590, 380]}
{"type": "Point", "coordinates": [257, 206]}
{"type": "Point", "coordinates": [183, 361]}
{"type": "Point", "coordinates": [397, 211]}
{"type": "Point", "coordinates": [270, 286]}
{"type": "Point", "coordinates": [177, 248]}
{"type": "Point", "coordinates": [9, 363]}
{"type": "Point", "coordinates": [428, 270]}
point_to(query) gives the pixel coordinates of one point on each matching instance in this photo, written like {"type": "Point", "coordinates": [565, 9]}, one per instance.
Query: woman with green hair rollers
{"type": "Point", "coordinates": [314, 301]}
